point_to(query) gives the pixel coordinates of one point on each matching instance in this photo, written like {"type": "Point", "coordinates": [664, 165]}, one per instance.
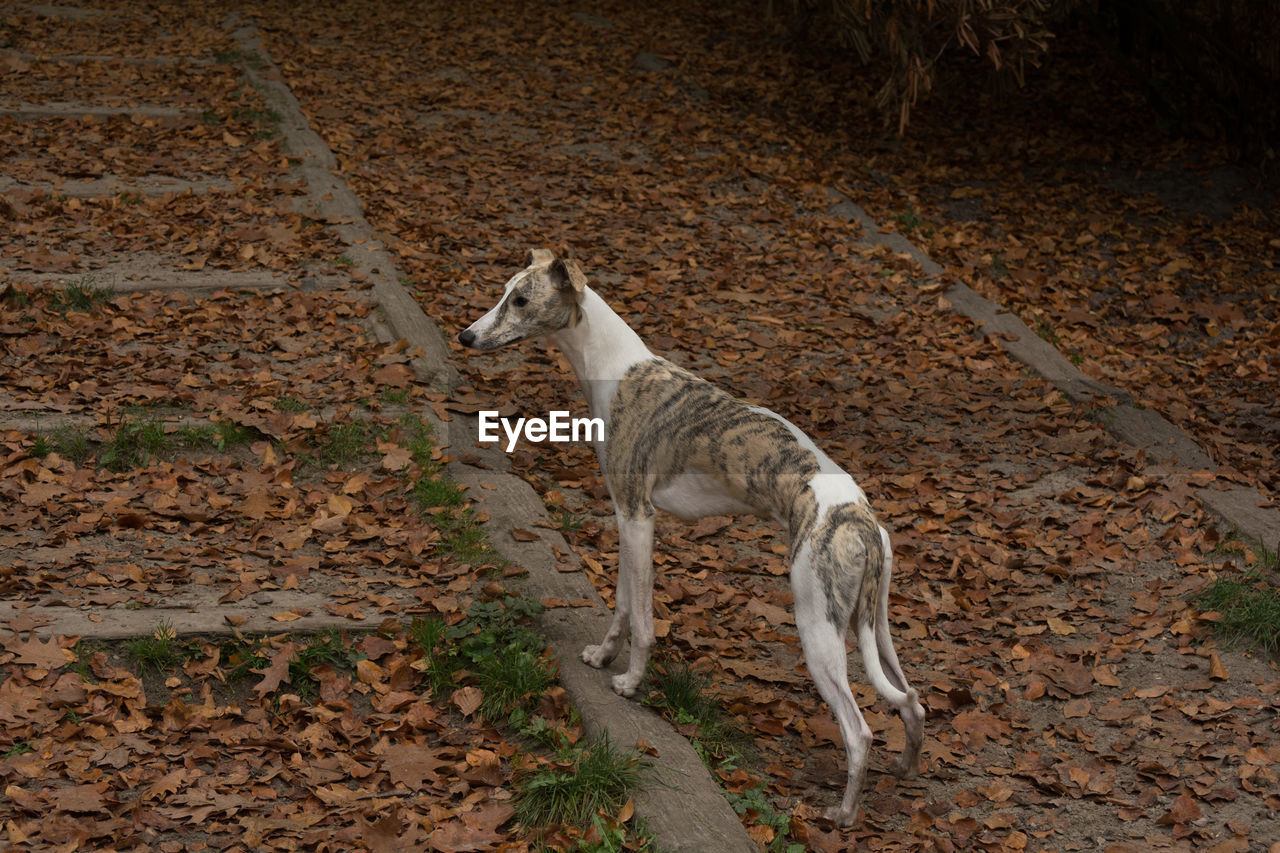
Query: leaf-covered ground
{"type": "Point", "coordinates": [234, 448]}
{"type": "Point", "coordinates": [197, 413]}
{"type": "Point", "coordinates": [223, 757]}
{"type": "Point", "coordinates": [279, 450]}
{"type": "Point", "coordinates": [1076, 701]}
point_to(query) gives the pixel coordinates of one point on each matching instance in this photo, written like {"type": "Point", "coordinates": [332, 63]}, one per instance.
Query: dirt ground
{"type": "Point", "coordinates": [1044, 570]}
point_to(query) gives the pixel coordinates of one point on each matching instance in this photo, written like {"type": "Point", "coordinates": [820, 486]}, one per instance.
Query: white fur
{"type": "Point", "coordinates": [694, 495]}
{"type": "Point", "coordinates": [601, 348]}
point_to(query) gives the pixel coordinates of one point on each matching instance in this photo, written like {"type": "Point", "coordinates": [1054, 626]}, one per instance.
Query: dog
{"type": "Point", "coordinates": [675, 442]}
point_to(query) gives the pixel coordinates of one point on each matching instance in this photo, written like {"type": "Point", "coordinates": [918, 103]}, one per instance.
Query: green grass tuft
{"type": "Point", "coordinates": [687, 697]}
{"type": "Point", "coordinates": [160, 650]}
{"type": "Point", "coordinates": [218, 436]}
{"type": "Point", "coordinates": [444, 501]}
{"type": "Point", "coordinates": [252, 110]}
{"type": "Point", "coordinates": [134, 444]}
{"type": "Point", "coordinates": [599, 777]}
{"type": "Point", "coordinates": [235, 56]}
{"type": "Point", "coordinates": [83, 295]}
{"type": "Point", "coordinates": [493, 647]}
{"type": "Point", "coordinates": [1250, 609]}
{"type": "Point", "coordinates": [327, 649]}
{"type": "Point", "coordinates": [435, 491]}
{"type": "Point", "coordinates": [70, 442]}
{"type": "Point", "coordinates": [567, 522]}
{"type": "Point", "coordinates": [16, 296]}
{"type": "Point", "coordinates": [609, 836]}
{"type": "Point", "coordinates": [85, 651]}
{"type": "Point", "coordinates": [754, 802]}
{"type": "Point", "coordinates": [291, 404]}
{"type": "Point", "coordinates": [440, 655]}
{"type": "Point", "coordinates": [395, 396]}
{"type": "Point", "coordinates": [909, 220]}
{"type": "Point", "coordinates": [419, 439]}
{"type": "Point", "coordinates": [512, 679]}
{"type": "Point", "coordinates": [242, 656]}
{"type": "Point", "coordinates": [348, 442]}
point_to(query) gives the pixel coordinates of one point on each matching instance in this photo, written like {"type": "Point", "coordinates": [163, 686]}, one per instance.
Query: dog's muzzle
{"type": "Point", "coordinates": [467, 338]}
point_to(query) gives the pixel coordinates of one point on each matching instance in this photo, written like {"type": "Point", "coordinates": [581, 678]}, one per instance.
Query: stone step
{"type": "Point", "coordinates": [149, 185]}
{"type": "Point", "coordinates": [106, 57]}
{"type": "Point", "coordinates": [79, 109]}
{"type": "Point", "coordinates": [150, 271]}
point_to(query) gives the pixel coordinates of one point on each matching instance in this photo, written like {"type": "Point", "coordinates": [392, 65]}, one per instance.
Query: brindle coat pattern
{"type": "Point", "coordinates": [677, 442]}
{"type": "Point", "coordinates": [666, 420]}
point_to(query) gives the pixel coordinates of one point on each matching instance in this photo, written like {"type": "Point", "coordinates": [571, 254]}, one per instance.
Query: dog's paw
{"type": "Point", "coordinates": [597, 656]}
{"type": "Point", "coordinates": [625, 684]}
{"type": "Point", "coordinates": [905, 768]}
{"type": "Point", "coordinates": [839, 815]}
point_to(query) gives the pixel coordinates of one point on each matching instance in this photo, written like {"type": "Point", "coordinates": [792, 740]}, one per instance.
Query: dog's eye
{"type": "Point", "coordinates": [520, 301]}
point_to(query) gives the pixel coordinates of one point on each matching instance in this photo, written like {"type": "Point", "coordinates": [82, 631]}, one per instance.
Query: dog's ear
{"type": "Point", "coordinates": [567, 274]}
{"type": "Point", "coordinates": [538, 257]}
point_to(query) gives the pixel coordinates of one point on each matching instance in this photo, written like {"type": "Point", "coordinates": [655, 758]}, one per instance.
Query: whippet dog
{"type": "Point", "coordinates": [676, 442]}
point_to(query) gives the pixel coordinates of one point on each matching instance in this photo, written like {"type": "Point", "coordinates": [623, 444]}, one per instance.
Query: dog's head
{"type": "Point", "coordinates": [540, 300]}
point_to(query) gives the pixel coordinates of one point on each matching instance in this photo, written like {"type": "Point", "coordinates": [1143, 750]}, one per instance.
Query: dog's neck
{"type": "Point", "coordinates": [601, 347]}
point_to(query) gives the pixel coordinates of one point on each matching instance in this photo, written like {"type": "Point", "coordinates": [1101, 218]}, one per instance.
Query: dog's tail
{"type": "Point", "coordinates": [873, 595]}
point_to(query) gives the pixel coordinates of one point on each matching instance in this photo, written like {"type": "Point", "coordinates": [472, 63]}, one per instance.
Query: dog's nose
{"type": "Point", "coordinates": [466, 337]}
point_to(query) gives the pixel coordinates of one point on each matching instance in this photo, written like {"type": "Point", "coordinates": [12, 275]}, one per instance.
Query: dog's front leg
{"type": "Point", "coordinates": [603, 654]}
{"type": "Point", "coordinates": [635, 560]}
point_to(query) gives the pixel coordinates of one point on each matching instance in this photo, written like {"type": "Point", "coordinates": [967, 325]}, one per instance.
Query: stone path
{"type": "Point", "coordinates": [1242, 507]}
{"type": "Point", "coordinates": [684, 808]}
{"type": "Point", "coordinates": [682, 804]}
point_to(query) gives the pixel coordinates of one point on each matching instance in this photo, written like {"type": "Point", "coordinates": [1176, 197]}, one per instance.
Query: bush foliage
{"type": "Point", "coordinates": [914, 35]}
{"type": "Point", "coordinates": [1209, 65]}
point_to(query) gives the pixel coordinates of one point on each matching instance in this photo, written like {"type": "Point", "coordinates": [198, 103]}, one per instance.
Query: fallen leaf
{"type": "Point", "coordinates": [396, 458]}
{"type": "Point", "coordinates": [1060, 627]}
{"type": "Point", "coordinates": [413, 764]}
{"type": "Point", "coordinates": [277, 670]}
{"type": "Point", "coordinates": [1105, 675]}
{"type": "Point", "coordinates": [390, 833]}
{"type": "Point", "coordinates": [46, 655]}
{"type": "Point", "coordinates": [81, 798]}
{"type": "Point", "coordinates": [467, 700]}
{"type": "Point", "coordinates": [1184, 810]}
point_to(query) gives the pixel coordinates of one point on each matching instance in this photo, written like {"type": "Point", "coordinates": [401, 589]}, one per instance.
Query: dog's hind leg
{"type": "Point", "coordinates": [907, 764]}
{"type": "Point", "coordinates": [824, 652]}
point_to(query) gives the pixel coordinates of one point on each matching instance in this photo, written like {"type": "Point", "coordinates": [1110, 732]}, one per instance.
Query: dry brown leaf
{"type": "Point", "coordinates": [32, 652]}
{"type": "Point", "coordinates": [277, 670]}
{"type": "Point", "coordinates": [467, 700]}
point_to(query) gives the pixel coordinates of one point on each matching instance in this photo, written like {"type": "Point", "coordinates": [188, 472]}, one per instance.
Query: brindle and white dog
{"type": "Point", "coordinates": [675, 442]}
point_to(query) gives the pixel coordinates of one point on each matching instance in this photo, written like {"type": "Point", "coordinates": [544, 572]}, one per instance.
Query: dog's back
{"type": "Point", "coordinates": [666, 423]}
{"type": "Point", "coordinates": [675, 442]}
